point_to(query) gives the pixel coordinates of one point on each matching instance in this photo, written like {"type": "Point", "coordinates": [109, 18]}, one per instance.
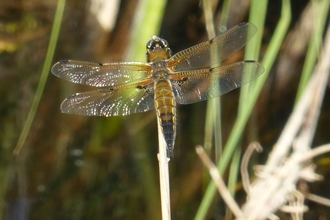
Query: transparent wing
{"type": "Point", "coordinates": [115, 101]}
{"type": "Point", "coordinates": [197, 85]}
{"type": "Point", "coordinates": [101, 75]}
{"type": "Point", "coordinates": [209, 54]}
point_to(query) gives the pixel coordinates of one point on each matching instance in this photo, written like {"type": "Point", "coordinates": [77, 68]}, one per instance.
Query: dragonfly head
{"type": "Point", "coordinates": [157, 49]}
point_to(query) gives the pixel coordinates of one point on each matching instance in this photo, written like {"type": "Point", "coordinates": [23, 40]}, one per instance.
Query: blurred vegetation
{"type": "Point", "coordinates": [75, 167]}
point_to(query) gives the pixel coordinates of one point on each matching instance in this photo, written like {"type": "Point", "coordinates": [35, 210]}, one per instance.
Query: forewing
{"type": "Point", "coordinates": [197, 85]}
{"type": "Point", "coordinates": [209, 54]}
{"type": "Point", "coordinates": [117, 101]}
{"type": "Point", "coordinates": [101, 75]}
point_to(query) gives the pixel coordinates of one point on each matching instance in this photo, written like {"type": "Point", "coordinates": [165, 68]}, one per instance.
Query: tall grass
{"type": "Point", "coordinates": [257, 17]}
{"type": "Point", "coordinates": [44, 75]}
{"type": "Point", "coordinates": [147, 22]}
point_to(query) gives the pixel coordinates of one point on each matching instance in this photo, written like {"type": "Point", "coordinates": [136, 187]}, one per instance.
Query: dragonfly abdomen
{"type": "Point", "coordinates": [165, 106]}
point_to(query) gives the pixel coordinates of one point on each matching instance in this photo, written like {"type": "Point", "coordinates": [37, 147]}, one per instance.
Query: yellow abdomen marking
{"type": "Point", "coordinates": [165, 107]}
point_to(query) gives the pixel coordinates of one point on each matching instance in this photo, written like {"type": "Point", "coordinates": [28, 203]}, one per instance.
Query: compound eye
{"type": "Point", "coordinates": [164, 43]}
{"type": "Point", "coordinates": [156, 42]}
{"type": "Point", "coordinates": [150, 44]}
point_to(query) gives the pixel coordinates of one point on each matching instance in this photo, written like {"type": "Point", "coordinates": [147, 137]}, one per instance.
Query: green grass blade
{"type": "Point", "coordinates": [321, 10]}
{"type": "Point", "coordinates": [239, 125]}
{"type": "Point", "coordinates": [147, 22]}
{"type": "Point", "coordinates": [44, 75]}
{"type": "Point", "coordinates": [233, 176]}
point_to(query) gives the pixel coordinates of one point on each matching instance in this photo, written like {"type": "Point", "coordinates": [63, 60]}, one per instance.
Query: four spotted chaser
{"type": "Point", "coordinates": [192, 75]}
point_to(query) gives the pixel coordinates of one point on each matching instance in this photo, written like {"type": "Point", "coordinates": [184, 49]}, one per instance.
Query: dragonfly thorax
{"type": "Point", "coordinates": [160, 74]}
{"type": "Point", "coordinates": [160, 70]}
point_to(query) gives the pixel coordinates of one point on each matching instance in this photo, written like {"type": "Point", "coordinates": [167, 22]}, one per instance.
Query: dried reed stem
{"type": "Point", "coordinates": [163, 162]}
{"type": "Point", "coordinates": [224, 192]}
{"type": "Point", "coordinates": [281, 172]}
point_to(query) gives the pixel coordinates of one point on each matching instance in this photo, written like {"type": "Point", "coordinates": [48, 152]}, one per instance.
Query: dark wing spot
{"type": "Point", "coordinates": [100, 64]}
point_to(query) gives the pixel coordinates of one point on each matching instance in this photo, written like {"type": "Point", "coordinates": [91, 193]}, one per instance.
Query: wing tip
{"type": "Point", "coordinates": [57, 66]}
{"type": "Point", "coordinates": [259, 68]}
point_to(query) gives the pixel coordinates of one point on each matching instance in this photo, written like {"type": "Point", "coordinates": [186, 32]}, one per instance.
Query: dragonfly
{"type": "Point", "coordinates": [191, 75]}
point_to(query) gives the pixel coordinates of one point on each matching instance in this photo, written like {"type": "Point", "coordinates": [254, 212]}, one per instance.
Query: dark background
{"type": "Point", "coordinates": [75, 167]}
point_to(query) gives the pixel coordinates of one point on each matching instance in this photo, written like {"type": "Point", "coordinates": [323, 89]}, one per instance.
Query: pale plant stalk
{"type": "Point", "coordinates": [164, 175]}
{"type": "Point", "coordinates": [280, 174]}
{"type": "Point", "coordinates": [224, 192]}
{"type": "Point", "coordinates": [295, 198]}
{"type": "Point", "coordinates": [276, 183]}
{"type": "Point", "coordinates": [244, 165]}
